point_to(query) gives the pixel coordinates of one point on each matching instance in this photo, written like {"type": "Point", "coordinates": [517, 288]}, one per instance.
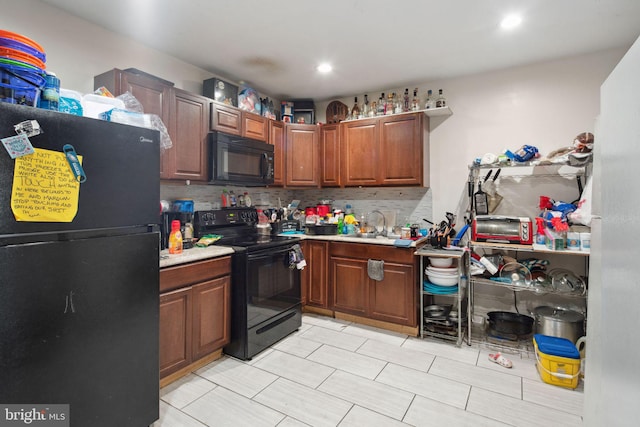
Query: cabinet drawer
{"type": "Point", "coordinates": [188, 274]}
{"type": "Point", "coordinates": [367, 251]}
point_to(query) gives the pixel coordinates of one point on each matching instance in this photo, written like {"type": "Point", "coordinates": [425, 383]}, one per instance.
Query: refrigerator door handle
{"type": "Point", "coordinates": [69, 303]}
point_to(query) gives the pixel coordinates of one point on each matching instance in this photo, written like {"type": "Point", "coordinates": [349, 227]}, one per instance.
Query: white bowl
{"type": "Point", "coordinates": [440, 280]}
{"type": "Point", "coordinates": [441, 262]}
{"type": "Point", "coordinates": [449, 270]}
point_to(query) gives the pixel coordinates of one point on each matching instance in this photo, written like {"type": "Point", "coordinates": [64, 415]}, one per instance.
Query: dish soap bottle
{"type": "Point", "coordinates": [175, 238]}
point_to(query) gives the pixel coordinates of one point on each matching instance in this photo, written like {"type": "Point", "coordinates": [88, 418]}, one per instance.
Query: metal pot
{"type": "Point", "coordinates": [559, 322]}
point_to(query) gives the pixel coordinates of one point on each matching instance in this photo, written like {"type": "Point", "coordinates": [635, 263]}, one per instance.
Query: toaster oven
{"type": "Point", "coordinates": [502, 229]}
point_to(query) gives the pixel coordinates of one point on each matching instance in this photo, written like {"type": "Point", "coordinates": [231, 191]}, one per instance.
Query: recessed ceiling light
{"type": "Point", "coordinates": [510, 22]}
{"type": "Point", "coordinates": [324, 67]}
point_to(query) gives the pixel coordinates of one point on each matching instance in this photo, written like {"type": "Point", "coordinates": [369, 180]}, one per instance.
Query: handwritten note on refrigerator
{"type": "Point", "coordinates": [44, 188]}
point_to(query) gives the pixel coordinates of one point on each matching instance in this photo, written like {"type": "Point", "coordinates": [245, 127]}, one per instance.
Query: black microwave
{"type": "Point", "coordinates": [239, 161]}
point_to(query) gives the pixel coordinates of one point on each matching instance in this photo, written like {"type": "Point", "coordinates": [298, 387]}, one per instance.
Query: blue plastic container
{"type": "Point", "coordinates": [20, 85]}
{"type": "Point", "coordinates": [183, 205]}
{"type": "Point", "coordinates": [556, 346]}
{"type": "Point", "coordinates": [23, 95]}
{"type": "Point", "coordinates": [50, 97]}
{"type": "Point", "coordinates": [19, 76]}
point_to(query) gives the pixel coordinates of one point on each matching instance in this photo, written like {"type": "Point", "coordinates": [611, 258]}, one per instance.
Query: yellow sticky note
{"type": "Point", "coordinates": [44, 188]}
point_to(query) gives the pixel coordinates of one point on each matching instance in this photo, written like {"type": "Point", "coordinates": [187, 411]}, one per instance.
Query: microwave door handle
{"type": "Point", "coordinates": [264, 165]}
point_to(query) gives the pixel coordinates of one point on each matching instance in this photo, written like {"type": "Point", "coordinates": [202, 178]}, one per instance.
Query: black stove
{"type": "Point", "coordinates": [237, 226]}
{"type": "Point", "coordinates": [265, 285]}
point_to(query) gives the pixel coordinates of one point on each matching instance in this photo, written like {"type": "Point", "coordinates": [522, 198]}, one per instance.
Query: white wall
{"type": "Point", "coordinates": [78, 50]}
{"type": "Point", "coordinates": [545, 105]}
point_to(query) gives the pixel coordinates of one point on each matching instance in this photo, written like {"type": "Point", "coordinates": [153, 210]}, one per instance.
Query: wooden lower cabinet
{"type": "Point", "coordinates": [175, 331]}
{"type": "Point", "coordinates": [211, 316]}
{"type": "Point", "coordinates": [314, 276]}
{"type": "Point", "coordinates": [350, 285]}
{"type": "Point", "coordinates": [194, 313]}
{"type": "Point", "coordinates": [393, 299]}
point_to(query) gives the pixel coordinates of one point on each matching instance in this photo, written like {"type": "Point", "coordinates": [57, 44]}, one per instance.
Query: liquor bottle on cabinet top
{"type": "Point", "coordinates": [390, 105]}
{"type": "Point", "coordinates": [441, 101]}
{"type": "Point", "coordinates": [430, 103]}
{"type": "Point", "coordinates": [406, 105]}
{"type": "Point", "coordinates": [355, 111]}
{"type": "Point", "coordinates": [381, 102]}
{"type": "Point", "coordinates": [415, 103]}
{"type": "Point", "coordinates": [365, 106]}
{"type": "Point", "coordinates": [397, 104]}
{"type": "Point", "coordinates": [373, 111]}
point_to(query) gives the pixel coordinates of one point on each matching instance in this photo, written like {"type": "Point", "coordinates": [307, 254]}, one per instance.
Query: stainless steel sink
{"type": "Point", "coordinates": [367, 235]}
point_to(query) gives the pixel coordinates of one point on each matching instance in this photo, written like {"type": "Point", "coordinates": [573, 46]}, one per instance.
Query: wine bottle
{"type": "Point", "coordinates": [430, 103]}
{"type": "Point", "coordinates": [397, 104]}
{"type": "Point", "coordinates": [355, 111]}
{"type": "Point", "coordinates": [415, 103]}
{"type": "Point", "coordinates": [365, 106]}
{"type": "Point", "coordinates": [381, 103]}
{"type": "Point", "coordinates": [441, 101]}
{"type": "Point", "coordinates": [390, 105]}
{"type": "Point", "coordinates": [406, 105]}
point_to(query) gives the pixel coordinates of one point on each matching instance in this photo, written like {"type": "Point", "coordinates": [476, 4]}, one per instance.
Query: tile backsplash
{"type": "Point", "coordinates": [410, 204]}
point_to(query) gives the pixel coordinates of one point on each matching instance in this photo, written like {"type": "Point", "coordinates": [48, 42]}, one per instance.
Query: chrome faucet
{"type": "Point", "coordinates": [384, 223]}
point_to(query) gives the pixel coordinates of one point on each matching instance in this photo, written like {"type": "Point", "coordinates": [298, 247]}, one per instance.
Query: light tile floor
{"type": "Point", "coordinates": [336, 373]}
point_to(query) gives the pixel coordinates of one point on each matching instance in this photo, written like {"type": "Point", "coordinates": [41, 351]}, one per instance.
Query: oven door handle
{"type": "Point", "coordinates": [267, 254]}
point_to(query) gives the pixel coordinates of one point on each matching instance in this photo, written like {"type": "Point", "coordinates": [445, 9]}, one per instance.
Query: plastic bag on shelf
{"type": "Point", "coordinates": [131, 103]}
{"type": "Point", "coordinates": [582, 215]}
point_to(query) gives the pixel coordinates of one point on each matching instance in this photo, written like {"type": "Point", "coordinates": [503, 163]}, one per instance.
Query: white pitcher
{"type": "Point", "coordinates": [581, 345]}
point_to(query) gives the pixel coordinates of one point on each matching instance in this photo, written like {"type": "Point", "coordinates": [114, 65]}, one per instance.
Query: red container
{"type": "Point", "coordinates": [323, 210]}
{"type": "Point", "coordinates": [310, 211]}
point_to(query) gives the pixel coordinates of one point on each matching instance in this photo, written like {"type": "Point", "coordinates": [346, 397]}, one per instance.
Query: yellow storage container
{"type": "Point", "coordinates": [558, 360]}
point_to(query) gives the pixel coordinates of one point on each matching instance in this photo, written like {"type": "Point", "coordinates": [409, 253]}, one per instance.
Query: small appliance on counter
{"type": "Point", "coordinates": [502, 229]}
{"type": "Point", "coordinates": [186, 220]}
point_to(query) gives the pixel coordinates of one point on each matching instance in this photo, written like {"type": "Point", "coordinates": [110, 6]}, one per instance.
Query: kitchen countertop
{"type": "Point", "coordinates": [198, 254]}
{"type": "Point", "coordinates": [192, 255]}
{"type": "Point", "coordinates": [355, 239]}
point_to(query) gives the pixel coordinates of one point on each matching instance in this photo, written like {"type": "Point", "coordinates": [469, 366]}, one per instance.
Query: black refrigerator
{"type": "Point", "coordinates": [79, 300]}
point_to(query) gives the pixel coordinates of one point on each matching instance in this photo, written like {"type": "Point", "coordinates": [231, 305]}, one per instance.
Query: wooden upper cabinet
{"type": "Point", "coordinates": [401, 149]}
{"type": "Point", "coordinates": [226, 119]}
{"type": "Point", "coordinates": [360, 153]}
{"type": "Point", "coordinates": [185, 115]}
{"type": "Point", "coordinates": [187, 159]}
{"type": "Point", "coordinates": [231, 120]}
{"type": "Point", "coordinates": [302, 153]}
{"type": "Point", "coordinates": [152, 93]}
{"type": "Point", "coordinates": [255, 126]}
{"type": "Point", "coordinates": [276, 138]}
{"type": "Point", "coordinates": [330, 155]}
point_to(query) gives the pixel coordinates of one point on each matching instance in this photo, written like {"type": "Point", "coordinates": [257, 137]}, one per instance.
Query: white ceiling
{"type": "Point", "coordinates": [274, 46]}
